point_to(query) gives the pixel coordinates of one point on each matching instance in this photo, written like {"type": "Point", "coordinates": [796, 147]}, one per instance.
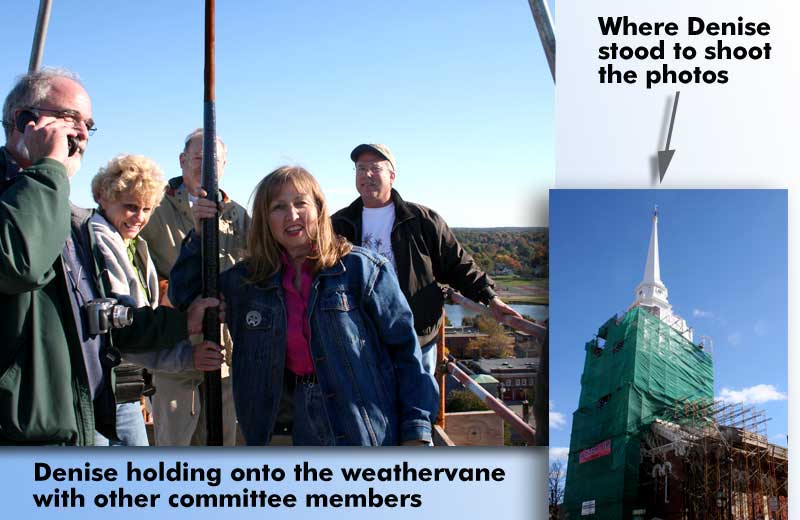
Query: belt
{"type": "Point", "coordinates": [308, 380]}
{"type": "Point", "coordinates": [292, 380]}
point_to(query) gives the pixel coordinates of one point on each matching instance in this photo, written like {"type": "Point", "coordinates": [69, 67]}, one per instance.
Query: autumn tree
{"type": "Point", "coordinates": [464, 401]}
{"type": "Point", "coordinates": [496, 344]}
{"type": "Point", "coordinates": [509, 262]}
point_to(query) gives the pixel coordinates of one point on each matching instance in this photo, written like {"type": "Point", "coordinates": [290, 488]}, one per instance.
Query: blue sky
{"type": "Point", "coordinates": [460, 91]}
{"type": "Point", "coordinates": [724, 261]}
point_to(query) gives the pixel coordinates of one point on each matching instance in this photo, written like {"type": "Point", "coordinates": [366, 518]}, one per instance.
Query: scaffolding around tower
{"type": "Point", "coordinates": [635, 368]}
{"type": "Point", "coordinates": [712, 460]}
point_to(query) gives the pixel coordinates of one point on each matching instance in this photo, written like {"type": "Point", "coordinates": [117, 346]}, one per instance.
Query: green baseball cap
{"type": "Point", "coordinates": [380, 149]}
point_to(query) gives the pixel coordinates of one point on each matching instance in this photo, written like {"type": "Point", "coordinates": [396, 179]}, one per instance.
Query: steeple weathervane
{"type": "Point", "coordinates": [651, 291]}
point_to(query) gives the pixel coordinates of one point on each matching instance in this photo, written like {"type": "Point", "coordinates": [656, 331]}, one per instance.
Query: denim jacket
{"type": "Point", "coordinates": [365, 352]}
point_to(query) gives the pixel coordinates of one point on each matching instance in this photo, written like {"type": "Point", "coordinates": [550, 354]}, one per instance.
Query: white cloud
{"type": "Point", "coordinates": [735, 339]}
{"type": "Point", "coordinates": [752, 395]}
{"type": "Point", "coordinates": [700, 313]}
{"type": "Point", "coordinates": [557, 419]}
{"type": "Point", "coordinates": [558, 453]}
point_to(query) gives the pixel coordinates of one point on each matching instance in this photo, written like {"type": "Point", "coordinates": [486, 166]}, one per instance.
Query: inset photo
{"type": "Point", "coordinates": [668, 375]}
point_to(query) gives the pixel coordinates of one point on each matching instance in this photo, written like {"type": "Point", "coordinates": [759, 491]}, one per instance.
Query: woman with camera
{"type": "Point", "coordinates": [127, 189]}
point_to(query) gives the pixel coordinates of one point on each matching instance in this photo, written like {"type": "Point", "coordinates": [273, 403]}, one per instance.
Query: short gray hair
{"type": "Point", "coordinates": [198, 132]}
{"type": "Point", "coordinates": [30, 90]}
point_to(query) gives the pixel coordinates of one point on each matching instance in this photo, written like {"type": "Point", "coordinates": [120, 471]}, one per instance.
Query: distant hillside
{"type": "Point", "coordinates": [522, 250]}
{"type": "Point", "coordinates": [509, 229]}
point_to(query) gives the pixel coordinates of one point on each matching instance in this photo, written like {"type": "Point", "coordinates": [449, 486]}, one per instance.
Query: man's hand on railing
{"type": "Point", "coordinates": [500, 310]}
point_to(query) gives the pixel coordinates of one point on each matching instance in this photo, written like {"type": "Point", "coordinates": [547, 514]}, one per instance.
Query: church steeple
{"type": "Point", "coordinates": [652, 271]}
{"type": "Point", "coordinates": [651, 293]}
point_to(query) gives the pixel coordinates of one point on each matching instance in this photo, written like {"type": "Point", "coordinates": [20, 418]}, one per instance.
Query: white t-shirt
{"type": "Point", "coordinates": [376, 230]}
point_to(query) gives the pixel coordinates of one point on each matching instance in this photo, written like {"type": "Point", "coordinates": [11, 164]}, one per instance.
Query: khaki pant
{"type": "Point", "coordinates": [178, 415]}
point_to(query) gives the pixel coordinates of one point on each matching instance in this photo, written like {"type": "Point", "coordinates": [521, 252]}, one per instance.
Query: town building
{"type": "Point", "coordinates": [516, 377]}
{"type": "Point", "coordinates": [459, 337]}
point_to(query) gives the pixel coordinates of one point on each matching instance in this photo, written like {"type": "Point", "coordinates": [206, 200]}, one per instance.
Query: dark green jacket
{"type": "Point", "coordinates": [44, 394]}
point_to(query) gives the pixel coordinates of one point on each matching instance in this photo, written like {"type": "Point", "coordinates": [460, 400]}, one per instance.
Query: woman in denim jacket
{"type": "Point", "coordinates": [322, 332]}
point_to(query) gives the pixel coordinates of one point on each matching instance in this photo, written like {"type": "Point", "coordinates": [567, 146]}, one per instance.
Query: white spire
{"type": "Point", "coordinates": [652, 271]}
{"type": "Point", "coordinates": [651, 293]}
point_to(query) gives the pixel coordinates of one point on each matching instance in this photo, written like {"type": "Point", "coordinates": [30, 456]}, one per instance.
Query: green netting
{"type": "Point", "coordinates": [643, 368]}
{"type": "Point", "coordinates": [604, 480]}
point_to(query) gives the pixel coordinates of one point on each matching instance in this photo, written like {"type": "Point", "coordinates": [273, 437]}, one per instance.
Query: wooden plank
{"type": "Point", "coordinates": [440, 437]}
{"type": "Point", "coordinates": [483, 428]}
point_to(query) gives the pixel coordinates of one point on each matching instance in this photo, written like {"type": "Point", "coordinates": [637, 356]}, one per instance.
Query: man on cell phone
{"type": "Point", "coordinates": [59, 339]}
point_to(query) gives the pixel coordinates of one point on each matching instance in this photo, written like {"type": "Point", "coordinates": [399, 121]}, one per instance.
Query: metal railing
{"type": "Point", "coordinates": [531, 435]}
{"type": "Point", "coordinates": [496, 405]}
{"type": "Point", "coordinates": [536, 330]}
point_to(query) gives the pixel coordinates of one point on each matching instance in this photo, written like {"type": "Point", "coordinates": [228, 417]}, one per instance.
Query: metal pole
{"type": "Point", "coordinates": [39, 36]}
{"type": "Point", "coordinates": [493, 403]}
{"type": "Point", "coordinates": [522, 325]}
{"type": "Point", "coordinates": [541, 409]}
{"type": "Point", "coordinates": [541, 397]}
{"type": "Point", "coordinates": [544, 24]}
{"type": "Point", "coordinates": [210, 239]}
{"type": "Point", "coordinates": [441, 375]}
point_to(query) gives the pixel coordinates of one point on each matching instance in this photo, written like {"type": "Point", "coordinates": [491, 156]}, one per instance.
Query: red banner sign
{"type": "Point", "coordinates": [595, 452]}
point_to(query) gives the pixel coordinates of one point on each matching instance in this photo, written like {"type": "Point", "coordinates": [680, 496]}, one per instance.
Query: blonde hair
{"type": "Point", "coordinates": [263, 252]}
{"type": "Point", "coordinates": [134, 174]}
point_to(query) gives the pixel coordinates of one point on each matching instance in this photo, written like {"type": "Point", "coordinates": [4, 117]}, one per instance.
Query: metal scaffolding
{"type": "Point", "coordinates": [712, 460]}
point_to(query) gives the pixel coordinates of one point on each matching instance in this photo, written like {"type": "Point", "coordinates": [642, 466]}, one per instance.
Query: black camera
{"type": "Point", "coordinates": [105, 314]}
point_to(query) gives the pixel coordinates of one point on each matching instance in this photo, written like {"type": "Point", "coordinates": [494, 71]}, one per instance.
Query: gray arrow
{"type": "Point", "coordinates": [665, 157]}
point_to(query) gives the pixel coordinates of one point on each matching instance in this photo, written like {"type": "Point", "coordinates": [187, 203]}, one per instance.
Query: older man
{"type": "Point", "coordinates": [55, 367]}
{"type": "Point", "coordinates": [417, 241]}
{"type": "Point", "coordinates": [177, 409]}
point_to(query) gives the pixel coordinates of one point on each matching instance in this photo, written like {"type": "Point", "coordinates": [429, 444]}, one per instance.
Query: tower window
{"type": "Point", "coordinates": [599, 346]}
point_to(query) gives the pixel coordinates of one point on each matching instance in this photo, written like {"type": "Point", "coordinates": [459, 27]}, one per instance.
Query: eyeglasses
{"type": "Point", "coordinates": [70, 116]}
{"type": "Point", "coordinates": [374, 168]}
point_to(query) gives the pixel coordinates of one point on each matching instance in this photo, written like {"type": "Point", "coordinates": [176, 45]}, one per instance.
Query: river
{"type": "Point", "coordinates": [456, 312]}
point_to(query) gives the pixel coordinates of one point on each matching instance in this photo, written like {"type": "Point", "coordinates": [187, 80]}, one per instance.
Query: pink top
{"type": "Point", "coordinates": [298, 335]}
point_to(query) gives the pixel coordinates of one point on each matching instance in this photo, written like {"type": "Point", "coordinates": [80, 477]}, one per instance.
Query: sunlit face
{"type": "Point", "coordinates": [374, 178]}
{"type": "Point", "coordinates": [191, 162]}
{"type": "Point", "coordinates": [293, 220]}
{"type": "Point", "coordinates": [128, 214]}
{"type": "Point", "coordinates": [65, 97]}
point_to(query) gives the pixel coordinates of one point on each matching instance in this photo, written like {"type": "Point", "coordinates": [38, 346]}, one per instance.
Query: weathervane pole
{"type": "Point", "coordinates": [39, 36]}
{"type": "Point", "coordinates": [210, 236]}
{"type": "Point", "coordinates": [544, 25]}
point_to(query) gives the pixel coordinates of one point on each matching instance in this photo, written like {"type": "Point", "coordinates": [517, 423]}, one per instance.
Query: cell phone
{"type": "Point", "coordinates": [26, 116]}
{"type": "Point", "coordinates": [23, 118]}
